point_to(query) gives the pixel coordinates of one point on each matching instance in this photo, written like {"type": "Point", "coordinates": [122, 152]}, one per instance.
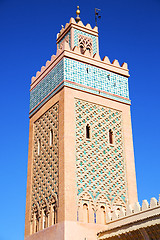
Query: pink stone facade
{"type": "Point", "coordinates": [53, 207]}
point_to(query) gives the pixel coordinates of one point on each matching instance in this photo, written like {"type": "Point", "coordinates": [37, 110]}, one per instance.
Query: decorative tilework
{"type": "Point", "coordinates": [97, 78]}
{"type": "Point", "coordinates": [83, 88]}
{"type": "Point", "coordinates": [100, 165]}
{"type": "Point", "coordinates": [68, 35]}
{"type": "Point", "coordinates": [47, 84]}
{"type": "Point", "coordinates": [45, 163]}
{"type": "Point", "coordinates": [77, 32]}
{"type": "Point", "coordinates": [86, 75]}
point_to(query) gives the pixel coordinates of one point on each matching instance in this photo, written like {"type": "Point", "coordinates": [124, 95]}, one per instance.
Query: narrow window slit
{"type": "Point", "coordinates": [110, 136]}
{"type": "Point", "coordinates": [88, 135]}
{"type": "Point", "coordinates": [39, 146]}
{"type": "Point", "coordinates": [51, 137]}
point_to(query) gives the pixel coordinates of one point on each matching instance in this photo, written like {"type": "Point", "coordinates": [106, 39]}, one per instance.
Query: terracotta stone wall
{"type": "Point", "coordinates": [67, 206]}
{"type": "Point", "coordinates": [70, 151]}
{"type": "Point", "coordinates": [44, 169]}
{"type": "Point", "coordinates": [100, 163]}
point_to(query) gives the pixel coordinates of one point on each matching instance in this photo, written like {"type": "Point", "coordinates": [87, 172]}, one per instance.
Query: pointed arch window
{"type": "Point", "coordinates": [85, 213]}
{"type": "Point", "coordinates": [81, 49]}
{"type": "Point", "coordinates": [45, 220]}
{"type": "Point", "coordinates": [110, 136]}
{"type": "Point", "coordinates": [55, 215]}
{"type": "Point", "coordinates": [88, 132]}
{"type": "Point", "coordinates": [37, 224]}
{"type": "Point", "coordinates": [103, 215]}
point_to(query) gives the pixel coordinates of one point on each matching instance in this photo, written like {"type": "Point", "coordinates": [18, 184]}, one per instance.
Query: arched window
{"type": "Point", "coordinates": [81, 49]}
{"type": "Point", "coordinates": [51, 137]}
{"type": "Point", "coordinates": [103, 215]}
{"type": "Point", "coordinates": [118, 208]}
{"type": "Point", "coordinates": [46, 217]}
{"type": "Point", "coordinates": [85, 213]}
{"type": "Point", "coordinates": [55, 215]}
{"type": "Point", "coordinates": [37, 224]}
{"type": "Point", "coordinates": [110, 136]}
{"type": "Point", "coordinates": [39, 146]}
{"type": "Point", "coordinates": [88, 134]}
{"type": "Point", "coordinates": [85, 43]}
{"type": "Point", "coordinates": [45, 220]}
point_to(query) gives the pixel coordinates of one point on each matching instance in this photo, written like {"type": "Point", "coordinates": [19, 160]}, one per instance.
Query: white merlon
{"type": "Point", "coordinates": [145, 205]}
{"type": "Point", "coordinates": [153, 202]}
{"type": "Point", "coordinates": [137, 207]}
{"type": "Point", "coordinates": [128, 210]}
{"type": "Point", "coordinates": [133, 210]}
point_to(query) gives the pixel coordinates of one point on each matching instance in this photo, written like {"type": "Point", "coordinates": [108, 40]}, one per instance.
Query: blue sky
{"type": "Point", "coordinates": [128, 31]}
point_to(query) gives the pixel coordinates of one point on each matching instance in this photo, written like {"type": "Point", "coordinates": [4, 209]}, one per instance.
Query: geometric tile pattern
{"type": "Point", "coordinates": [96, 91]}
{"type": "Point", "coordinates": [95, 77]}
{"type": "Point", "coordinates": [80, 73]}
{"type": "Point", "coordinates": [45, 86]}
{"type": "Point", "coordinates": [76, 37]}
{"type": "Point", "coordinates": [100, 166]}
{"type": "Point", "coordinates": [45, 164]}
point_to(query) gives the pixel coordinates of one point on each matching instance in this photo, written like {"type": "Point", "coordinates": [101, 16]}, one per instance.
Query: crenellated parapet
{"type": "Point", "coordinates": [131, 210]}
{"type": "Point", "coordinates": [77, 34]}
{"type": "Point", "coordinates": [134, 222]}
{"type": "Point", "coordinates": [78, 25]}
{"type": "Point", "coordinates": [77, 45]}
{"type": "Point", "coordinates": [106, 63]}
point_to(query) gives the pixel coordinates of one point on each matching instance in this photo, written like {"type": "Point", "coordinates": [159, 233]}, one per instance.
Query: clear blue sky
{"type": "Point", "coordinates": [129, 31]}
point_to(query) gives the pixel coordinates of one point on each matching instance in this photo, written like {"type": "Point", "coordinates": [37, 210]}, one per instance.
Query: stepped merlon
{"type": "Point", "coordinates": [77, 45]}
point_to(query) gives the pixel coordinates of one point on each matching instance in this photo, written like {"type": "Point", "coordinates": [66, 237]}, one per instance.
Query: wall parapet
{"type": "Point", "coordinates": [113, 66]}
{"type": "Point", "coordinates": [134, 222]}
{"type": "Point", "coordinates": [132, 210]}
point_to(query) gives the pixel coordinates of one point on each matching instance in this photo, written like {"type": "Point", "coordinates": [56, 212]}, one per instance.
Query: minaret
{"type": "Point", "coordinates": [81, 160]}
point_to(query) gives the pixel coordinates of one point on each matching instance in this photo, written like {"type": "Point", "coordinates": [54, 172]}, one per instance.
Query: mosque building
{"type": "Point", "coordinates": [81, 181]}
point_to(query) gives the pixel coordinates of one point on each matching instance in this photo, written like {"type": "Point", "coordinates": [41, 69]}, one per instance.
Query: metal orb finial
{"type": "Point", "coordinates": [77, 12]}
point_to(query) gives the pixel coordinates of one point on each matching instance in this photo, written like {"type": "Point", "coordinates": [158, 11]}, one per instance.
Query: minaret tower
{"type": "Point", "coordinates": [81, 160]}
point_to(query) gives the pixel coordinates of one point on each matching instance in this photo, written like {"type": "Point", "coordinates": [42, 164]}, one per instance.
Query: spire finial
{"type": "Point", "coordinates": [77, 12]}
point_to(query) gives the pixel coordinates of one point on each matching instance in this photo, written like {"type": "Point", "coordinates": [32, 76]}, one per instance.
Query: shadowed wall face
{"type": "Point", "coordinates": [45, 170]}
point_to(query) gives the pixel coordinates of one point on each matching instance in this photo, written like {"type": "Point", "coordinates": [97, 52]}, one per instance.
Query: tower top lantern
{"type": "Point", "coordinates": [78, 13]}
